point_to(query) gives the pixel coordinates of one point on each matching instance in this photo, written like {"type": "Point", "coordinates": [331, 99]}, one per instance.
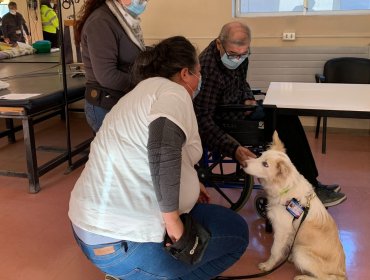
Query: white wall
{"type": "Point", "coordinates": [201, 20]}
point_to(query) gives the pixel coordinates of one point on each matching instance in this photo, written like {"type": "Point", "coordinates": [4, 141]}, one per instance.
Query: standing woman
{"type": "Point", "coordinates": [50, 22]}
{"type": "Point", "coordinates": [140, 178]}
{"type": "Point", "coordinates": [111, 38]}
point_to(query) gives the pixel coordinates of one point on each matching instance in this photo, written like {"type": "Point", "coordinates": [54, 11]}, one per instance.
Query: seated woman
{"type": "Point", "coordinates": [140, 180]}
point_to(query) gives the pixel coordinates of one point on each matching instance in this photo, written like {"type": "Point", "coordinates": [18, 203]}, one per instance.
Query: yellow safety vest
{"type": "Point", "coordinates": [49, 19]}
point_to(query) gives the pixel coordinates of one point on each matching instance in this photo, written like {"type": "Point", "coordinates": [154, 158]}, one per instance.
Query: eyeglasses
{"type": "Point", "coordinates": [236, 56]}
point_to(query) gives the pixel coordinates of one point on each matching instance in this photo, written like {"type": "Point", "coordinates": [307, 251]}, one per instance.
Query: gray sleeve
{"type": "Point", "coordinates": [104, 55]}
{"type": "Point", "coordinates": [164, 153]}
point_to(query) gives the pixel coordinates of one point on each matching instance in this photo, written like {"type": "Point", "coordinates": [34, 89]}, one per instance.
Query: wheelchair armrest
{"type": "Point", "coordinates": [320, 78]}
{"type": "Point", "coordinates": [258, 94]}
{"type": "Point", "coordinates": [257, 91]}
{"type": "Point", "coordinates": [236, 107]}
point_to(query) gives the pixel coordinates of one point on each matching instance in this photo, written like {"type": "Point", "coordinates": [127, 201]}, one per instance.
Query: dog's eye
{"type": "Point", "coordinates": [265, 164]}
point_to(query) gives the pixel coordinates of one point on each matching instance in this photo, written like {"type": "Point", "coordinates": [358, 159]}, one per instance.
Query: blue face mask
{"type": "Point", "coordinates": [137, 7]}
{"type": "Point", "coordinates": [197, 90]}
{"type": "Point", "coordinates": [232, 63]}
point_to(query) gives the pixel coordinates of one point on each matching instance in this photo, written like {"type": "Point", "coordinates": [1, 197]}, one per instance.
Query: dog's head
{"type": "Point", "coordinates": [273, 167]}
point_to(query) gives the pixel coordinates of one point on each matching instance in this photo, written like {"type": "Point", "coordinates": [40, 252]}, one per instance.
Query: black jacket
{"type": "Point", "coordinates": [13, 27]}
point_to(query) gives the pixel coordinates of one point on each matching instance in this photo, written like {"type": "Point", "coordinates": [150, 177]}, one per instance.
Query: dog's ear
{"type": "Point", "coordinates": [282, 169]}
{"type": "Point", "coordinates": [277, 145]}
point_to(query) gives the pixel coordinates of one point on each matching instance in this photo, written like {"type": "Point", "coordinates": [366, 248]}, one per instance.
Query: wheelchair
{"type": "Point", "coordinates": [225, 175]}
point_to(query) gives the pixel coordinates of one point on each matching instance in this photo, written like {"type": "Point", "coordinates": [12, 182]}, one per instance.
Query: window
{"type": "Point", "coordinates": [3, 9]}
{"type": "Point", "coordinates": [299, 7]}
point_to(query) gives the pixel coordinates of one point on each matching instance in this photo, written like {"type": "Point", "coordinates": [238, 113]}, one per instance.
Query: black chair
{"type": "Point", "coordinates": [345, 70]}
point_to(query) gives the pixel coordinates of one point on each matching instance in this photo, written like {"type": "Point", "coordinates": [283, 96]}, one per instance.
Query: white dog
{"type": "Point", "coordinates": [317, 250]}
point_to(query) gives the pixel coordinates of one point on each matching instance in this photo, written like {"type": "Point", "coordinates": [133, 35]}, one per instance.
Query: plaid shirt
{"type": "Point", "coordinates": [220, 86]}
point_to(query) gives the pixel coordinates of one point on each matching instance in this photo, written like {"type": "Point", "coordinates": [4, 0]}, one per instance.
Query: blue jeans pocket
{"type": "Point", "coordinates": [118, 263]}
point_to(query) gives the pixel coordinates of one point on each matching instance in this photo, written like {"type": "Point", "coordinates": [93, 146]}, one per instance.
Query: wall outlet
{"type": "Point", "coordinates": [288, 36]}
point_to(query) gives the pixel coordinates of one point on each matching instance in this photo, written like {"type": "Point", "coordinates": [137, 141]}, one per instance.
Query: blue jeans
{"type": "Point", "coordinates": [94, 115]}
{"type": "Point", "coordinates": [147, 261]}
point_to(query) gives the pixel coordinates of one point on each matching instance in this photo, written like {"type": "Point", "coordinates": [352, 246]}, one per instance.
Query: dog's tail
{"type": "Point", "coordinates": [276, 144]}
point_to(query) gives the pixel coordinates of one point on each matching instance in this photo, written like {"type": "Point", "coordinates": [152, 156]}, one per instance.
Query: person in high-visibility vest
{"type": "Point", "coordinates": [50, 22]}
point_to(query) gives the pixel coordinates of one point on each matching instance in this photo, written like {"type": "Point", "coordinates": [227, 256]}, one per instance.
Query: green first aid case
{"type": "Point", "coordinates": [42, 46]}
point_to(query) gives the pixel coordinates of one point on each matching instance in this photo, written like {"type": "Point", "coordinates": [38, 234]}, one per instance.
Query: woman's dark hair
{"type": "Point", "coordinates": [86, 10]}
{"type": "Point", "coordinates": [165, 59]}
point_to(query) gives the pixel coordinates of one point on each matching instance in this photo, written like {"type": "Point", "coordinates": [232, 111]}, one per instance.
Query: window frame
{"type": "Point", "coordinates": [236, 6]}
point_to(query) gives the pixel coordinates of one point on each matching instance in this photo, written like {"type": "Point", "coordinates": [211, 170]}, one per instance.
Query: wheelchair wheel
{"type": "Point", "coordinates": [260, 203]}
{"type": "Point", "coordinates": [233, 189]}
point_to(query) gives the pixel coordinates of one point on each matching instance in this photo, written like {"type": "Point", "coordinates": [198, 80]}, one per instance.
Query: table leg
{"type": "Point", "coordinates": [324, 126]}
{"type": "Point", "coordinates": [10, 126]}
{"type": "Point", "coordinates": [32, 168]}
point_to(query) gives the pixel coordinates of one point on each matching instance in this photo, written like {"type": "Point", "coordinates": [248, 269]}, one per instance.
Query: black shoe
{"type": "Point", "coordinates": [330, 198]}
{"type": "Point", "coordinates": [333, 187]}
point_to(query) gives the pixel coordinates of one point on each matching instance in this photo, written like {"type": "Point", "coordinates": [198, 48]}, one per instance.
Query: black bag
{"type": "Point", "coordinates": [101, 96]}
{"type": "Point", "coordinates": [191, 246]}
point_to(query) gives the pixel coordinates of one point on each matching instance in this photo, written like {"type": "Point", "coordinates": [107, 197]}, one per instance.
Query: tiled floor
{"type": "Point", "coordinates": [36, 242]}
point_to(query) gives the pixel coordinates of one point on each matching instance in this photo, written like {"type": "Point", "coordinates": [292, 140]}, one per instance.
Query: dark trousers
{"type": "Point", "coordinates": [292, 134]}
{"type": "Point", "coordinates": [52, 37]}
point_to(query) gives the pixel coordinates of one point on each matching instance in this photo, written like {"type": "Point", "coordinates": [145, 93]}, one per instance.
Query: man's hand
{"type": "Point", "coordinates": [203, 195]}
{"type": "Point", "coordinates": [242, 154]}
{"type": "Point", "coordinates": [249, 102]}
{"type": "Point", "coordinates": [7, 40]}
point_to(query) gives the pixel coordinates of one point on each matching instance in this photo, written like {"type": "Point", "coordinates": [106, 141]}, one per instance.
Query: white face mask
{"type": "Point", "coordinates": [13, 12]}
{"type": "Point", "coordinates": [52, 5]}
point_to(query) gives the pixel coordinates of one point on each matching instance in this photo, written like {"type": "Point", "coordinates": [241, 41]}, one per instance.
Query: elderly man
{"type": "Point", "coordinates": [224, 65]}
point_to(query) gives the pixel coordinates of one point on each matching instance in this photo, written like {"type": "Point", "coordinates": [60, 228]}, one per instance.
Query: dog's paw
{"type": "Point", "coordinates": [265, 266]}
